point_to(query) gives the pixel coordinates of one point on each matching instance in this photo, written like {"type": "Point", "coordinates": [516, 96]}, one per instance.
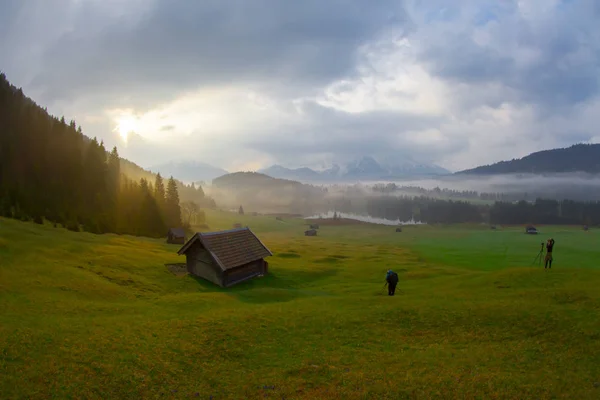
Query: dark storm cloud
{"type": "Point", "coordinates": [182, 44]}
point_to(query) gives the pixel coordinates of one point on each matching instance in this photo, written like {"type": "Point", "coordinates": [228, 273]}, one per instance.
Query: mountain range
{"type": "Point", "coordinates": [576, 158]}
{"type": "Point", "coordinates": [365, 168]}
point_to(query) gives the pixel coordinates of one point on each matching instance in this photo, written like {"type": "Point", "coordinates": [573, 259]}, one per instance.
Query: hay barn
{"type": "Point", "coordinates": [226, 258]}
{"type": "Point", "coordinates": [176, 236]}
{"type": "Point", "coordinates": [310, 232]}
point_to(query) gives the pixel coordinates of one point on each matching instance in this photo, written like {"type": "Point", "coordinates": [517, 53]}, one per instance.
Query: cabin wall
{"type": "Point", "coordinates": [175, 240]}
{"type": "Point", "coordinates": [200, 263]}
{"type": "Point", "coordinates": [244, 272]}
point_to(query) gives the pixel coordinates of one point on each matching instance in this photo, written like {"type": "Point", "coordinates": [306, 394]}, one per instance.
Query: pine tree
{"type": "Point", "coordinates": [159, 193]}
{"type": "Point", "coordinates": [150, 219]}
{"type": "Point", "coordinates": [173, 210]}
{"type": "Point", "coordinates": [113, 188]}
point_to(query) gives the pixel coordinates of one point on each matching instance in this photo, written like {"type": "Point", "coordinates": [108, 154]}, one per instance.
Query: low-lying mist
{"type": "Point", "coordinates": [380, 202]}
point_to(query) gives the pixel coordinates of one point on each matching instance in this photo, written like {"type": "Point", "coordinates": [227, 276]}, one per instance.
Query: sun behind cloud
{"type": "Point", "coordinates": [126, 124]}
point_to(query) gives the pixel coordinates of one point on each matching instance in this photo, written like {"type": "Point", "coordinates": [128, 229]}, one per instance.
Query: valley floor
{"type": "Point", "coordinates": [100, 316]}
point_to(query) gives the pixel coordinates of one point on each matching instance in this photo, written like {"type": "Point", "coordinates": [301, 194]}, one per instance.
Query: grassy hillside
{"type": "Point", "coordinates": [96, 317]}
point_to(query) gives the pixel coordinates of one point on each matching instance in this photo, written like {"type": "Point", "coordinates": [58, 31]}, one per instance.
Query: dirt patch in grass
{"type": "Point", "coordinates": [288, 255]}
{"type": "Point", "coordinates": [179, 269]}
{"type": "Point", "coordinates": [570, 297]}
{"type": "Point", "coordinates": [327, 260]}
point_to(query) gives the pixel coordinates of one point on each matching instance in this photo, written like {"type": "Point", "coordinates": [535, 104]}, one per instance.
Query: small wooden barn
{"type": "Point", "coordinates": [531, 230]}
{"type": "Point", "coordinates": [176, 236]}
{"type": "Point", "coordinates": [310, 232]}
{"type": "Point", "coordinates": [226, 258]}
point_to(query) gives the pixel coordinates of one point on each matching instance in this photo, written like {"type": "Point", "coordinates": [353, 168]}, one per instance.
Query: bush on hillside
{"type": "Point", "coordinates": [72, 226]}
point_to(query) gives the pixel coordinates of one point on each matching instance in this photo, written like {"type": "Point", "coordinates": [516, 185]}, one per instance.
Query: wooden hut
{"type": "Point", "coordinates": [176, 236]}
{"type": "Point", "coordinates": [226, 258]}
{"type": "Point", "coordinates": [310, 232]}
{"type": "Point", "coordinates": [531, 230]}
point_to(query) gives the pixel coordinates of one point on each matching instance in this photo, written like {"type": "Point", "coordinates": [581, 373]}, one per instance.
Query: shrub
{"type": "Point", "coordinates": [72, 226]}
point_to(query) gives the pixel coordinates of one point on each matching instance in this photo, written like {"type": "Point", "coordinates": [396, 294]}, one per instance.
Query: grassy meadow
{"type": "Point", "coordinates": [87, 316]}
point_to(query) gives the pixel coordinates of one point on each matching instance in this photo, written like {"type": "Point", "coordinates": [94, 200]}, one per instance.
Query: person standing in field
{"type": "Point", "coordinates": [392, 280]}
{"type": "Point", "coordinates": [549, 246]}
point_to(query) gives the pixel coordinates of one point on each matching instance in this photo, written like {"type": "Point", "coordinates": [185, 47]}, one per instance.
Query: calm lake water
{"type": "Point", "coordinates": [366, 218]}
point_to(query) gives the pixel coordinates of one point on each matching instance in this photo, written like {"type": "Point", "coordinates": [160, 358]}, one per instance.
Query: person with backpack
{"type": "Point", "coordinates": [392, 280]}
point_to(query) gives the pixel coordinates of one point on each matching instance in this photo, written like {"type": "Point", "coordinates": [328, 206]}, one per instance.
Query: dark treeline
{"type": "Point", "coordinates": [187, 193]}
{"type": "Point", "coordinates": [424, 209]}
{"type": "Point", "coordinates": [50, 170]}
{"type": "Point", "coordinates": [557, 191]}
{"type": "Point", "coordinates": [435, 211]}
{"type": "Point", "coordinates": [546, 212]}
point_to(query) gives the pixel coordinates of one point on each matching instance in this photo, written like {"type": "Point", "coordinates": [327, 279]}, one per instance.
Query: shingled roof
{"type": "Point", "coordinates": [230, 248]}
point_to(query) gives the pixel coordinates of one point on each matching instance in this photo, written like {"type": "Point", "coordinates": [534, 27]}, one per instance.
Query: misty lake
{"type": "Point", "coordinates": [365, 218]}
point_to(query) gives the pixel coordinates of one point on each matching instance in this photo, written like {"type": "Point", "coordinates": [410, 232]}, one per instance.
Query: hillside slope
{"type": "Point", "coordinates": [47, 161]}
{"type": "Point", "coordinates": [577, 158]}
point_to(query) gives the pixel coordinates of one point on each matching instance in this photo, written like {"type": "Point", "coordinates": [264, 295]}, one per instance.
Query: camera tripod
{"type": "Point", "coordinates": [539, 256]}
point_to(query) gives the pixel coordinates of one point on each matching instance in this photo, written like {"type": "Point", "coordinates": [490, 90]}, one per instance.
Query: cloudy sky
{"type": "Point", "coordinates": [243, 84]}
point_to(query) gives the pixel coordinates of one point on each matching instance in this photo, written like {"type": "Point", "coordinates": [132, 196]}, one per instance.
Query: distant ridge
{"type": "Point", "coordinates": [243, 180]}
{"type": "Point", "coordinates": [576, 158]}
{"type": "Point", "coordinates": [365, 168]}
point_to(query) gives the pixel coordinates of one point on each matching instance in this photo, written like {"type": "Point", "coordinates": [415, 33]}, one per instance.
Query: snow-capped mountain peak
{"type": "Point", "coordinates": [364, 168]}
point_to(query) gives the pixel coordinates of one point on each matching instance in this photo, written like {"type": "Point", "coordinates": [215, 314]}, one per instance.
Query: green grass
{"type": "Point", "coordinates": [97, 317]}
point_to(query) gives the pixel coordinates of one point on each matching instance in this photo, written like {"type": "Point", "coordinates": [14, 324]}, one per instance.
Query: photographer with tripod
{"type": "Point", "coordinates": [548, 260]}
